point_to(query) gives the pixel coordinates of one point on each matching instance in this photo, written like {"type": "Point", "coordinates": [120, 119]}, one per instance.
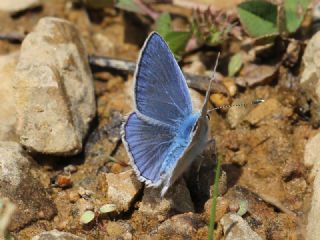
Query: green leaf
{"type": "Point", "coordinates": [87, 217]}
{"type": "Point", "coordinates": [243, 207]}
{"type": "Point", "coordinates": [177, 41]}
{"type": "Point", "coordinates": [259, 18]}
{"type": "Point", "coordinates": [235, 64]}
{"type": "Point", "coordinates": [214, 38]}
{"type": "Point", "coordinates": [294, 13]}
{"type": "Point", "coordinates": [128, 5]}
{"type": "Point", "coordinates": [163, 24]}
{"type": "Point", "coordinates": [107, 208]}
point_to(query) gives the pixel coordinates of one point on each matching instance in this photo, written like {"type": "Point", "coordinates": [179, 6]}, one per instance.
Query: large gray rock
{"type": "Point", "coordinates": [56, 235]}
{"type": "Point", "coordinates": [54, 89]}
{"type": "Point", "coordinates": [18, 184]}
{"type": "Point", "coordinates": [7, 107]}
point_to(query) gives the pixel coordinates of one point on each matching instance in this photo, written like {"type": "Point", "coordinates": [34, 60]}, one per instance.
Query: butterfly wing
{"type": "Point", "coordinates": [147, 145]}
{"type": "Point", "coordinates": [161, 92]}
{"type": "Point", "coordinates": [197, 143]}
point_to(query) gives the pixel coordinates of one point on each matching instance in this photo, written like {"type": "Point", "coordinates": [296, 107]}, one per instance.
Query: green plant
{"type": "Point", "coordinates": [260, 18]}
{"type": "Point", "coordinates": [177, 40]}
{"type": "Point", "coordinates": [214, 198]}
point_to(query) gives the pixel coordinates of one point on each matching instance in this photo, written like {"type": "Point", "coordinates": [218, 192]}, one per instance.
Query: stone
{"type": "Point", "coordinates": [176, 200]}
{"type": "Point", "coordinates": [221, 208]}
{"type": "Point", "coordinates": [264, 112]}
{"type": "Point", "coordinates": [181, 225]}
{"type": "Point", "coordinates": [119, 230]}
{"type": "Point", "coordinates": [311, 159]}
{"type": "Point", "coordinates": [123, 189]}
{"type": "Point", "coordinates": [236, 228]}
{"type": "Point", "coordinates": [313, 226]}
{"type": "Point", "coordinates": [309, 80]}
{"type": "Point", "coordinates": [7, 107]}
{"type": "Point", "coordinates": [56, 235]}
{"type": "Point", "coordinates": [311, 154]}
{"type": "Point", "coordinates": [54, 89]}
{"type": "Point", "coordinates": [18, 185]}
{"type": "Point", "coordinates": [13, 6]}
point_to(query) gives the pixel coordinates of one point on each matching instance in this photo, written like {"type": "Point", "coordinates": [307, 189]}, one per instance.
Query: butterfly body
{"type": "Point", "coordinates": [163, 135]}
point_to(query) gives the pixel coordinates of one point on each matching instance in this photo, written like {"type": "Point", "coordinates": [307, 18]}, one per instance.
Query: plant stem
{"type": "Point", "coordinates": [214, 198]}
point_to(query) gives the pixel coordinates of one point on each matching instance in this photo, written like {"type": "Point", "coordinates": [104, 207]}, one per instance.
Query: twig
{"type": "Point", "coordinates": [12, 37]}
{"type": "Point", "coordinates": [197, 82]}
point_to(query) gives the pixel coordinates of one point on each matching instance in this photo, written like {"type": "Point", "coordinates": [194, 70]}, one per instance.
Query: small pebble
{"type": "Point", "coordinates": [234, 206]}
{"type": "Point", "coordinates": [219, 100]}
{"type": "Point", "coordinates": [74, 196]}
{"type": "Point", "coordinates": [231, 86]}
{"type": "Point", "coordinates": [84, 193]}
{"type": "Point", "coordinates": [116, 168]}
{"type": "Point", "coordinates": [70, 169]}
{"type": "Point", "coordinates": [61, 181]}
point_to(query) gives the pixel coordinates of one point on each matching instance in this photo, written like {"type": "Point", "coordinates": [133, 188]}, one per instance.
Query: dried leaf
{"type": "Point", "coordinates": [253, 74]}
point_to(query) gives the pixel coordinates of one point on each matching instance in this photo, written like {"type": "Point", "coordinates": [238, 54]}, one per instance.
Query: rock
{"type": "Point", "coordinates": [311, 58]}
{"type": "Point", "coordinates": [119, 230]}
{"type": "Point", "coordinates": [312, 159]}
{"type": "Point", "coordinates": [236, 228]}
{"type": "Point", "coordinates": [182, 225]}
{"type": "Point", "coordinates": [176, 200]}
{"type": "Point", "coordinates": [18, 184]}
{"type": "Point", "coordinates": [311, 74]}
{"type": "Point", "coordinates": [221, 208]}
{"type": "Point", "coordinates": [270, 109]}
{"type": "Point", "coordinates": [7, 99]}
{"type": "Point", "coordinates": [54, 89]}
{"type": "Point", "coordinates": [253, 75]}
{"type": "Point", "coordinates": [6, 213]}
{"type": "Point", "coordinates": [313, 227]}
{"type": "Point", "coordinates": [311, 154]}
{"type": "Point", "coordinates": [17, 5]}
{"type": "Point", "coordinates": [56, 235]}
{"type": "Point", "coordinates": [123, 188]}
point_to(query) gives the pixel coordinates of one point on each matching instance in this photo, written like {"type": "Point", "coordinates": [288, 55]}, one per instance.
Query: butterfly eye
{"type": "Point", "coordinates": [208, 116]}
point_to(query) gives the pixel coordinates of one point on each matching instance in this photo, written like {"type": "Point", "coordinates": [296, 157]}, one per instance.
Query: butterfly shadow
{"type": "Point", "coordinates": [200, 177]}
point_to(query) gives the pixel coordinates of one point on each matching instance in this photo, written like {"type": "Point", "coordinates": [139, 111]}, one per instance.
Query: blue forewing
{"type": "Point", "coordinates": [163, 135]}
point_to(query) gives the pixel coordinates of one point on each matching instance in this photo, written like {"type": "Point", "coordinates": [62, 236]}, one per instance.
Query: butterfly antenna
{"type": "Point", "coordinates": [254, 102]}
{"type": "Point", "coordinates": [212, 78]}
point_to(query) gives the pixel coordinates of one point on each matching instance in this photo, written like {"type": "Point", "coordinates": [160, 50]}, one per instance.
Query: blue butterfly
{"type": "Point", "coordinates": [163, 135]}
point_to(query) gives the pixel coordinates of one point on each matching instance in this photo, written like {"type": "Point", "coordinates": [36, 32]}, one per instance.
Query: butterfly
{"type": "Point", "coordinates": [163, 134]}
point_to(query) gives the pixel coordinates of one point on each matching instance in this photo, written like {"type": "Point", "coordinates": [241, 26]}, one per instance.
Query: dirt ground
{"type": "Point", "coordinates": [262, 145]}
